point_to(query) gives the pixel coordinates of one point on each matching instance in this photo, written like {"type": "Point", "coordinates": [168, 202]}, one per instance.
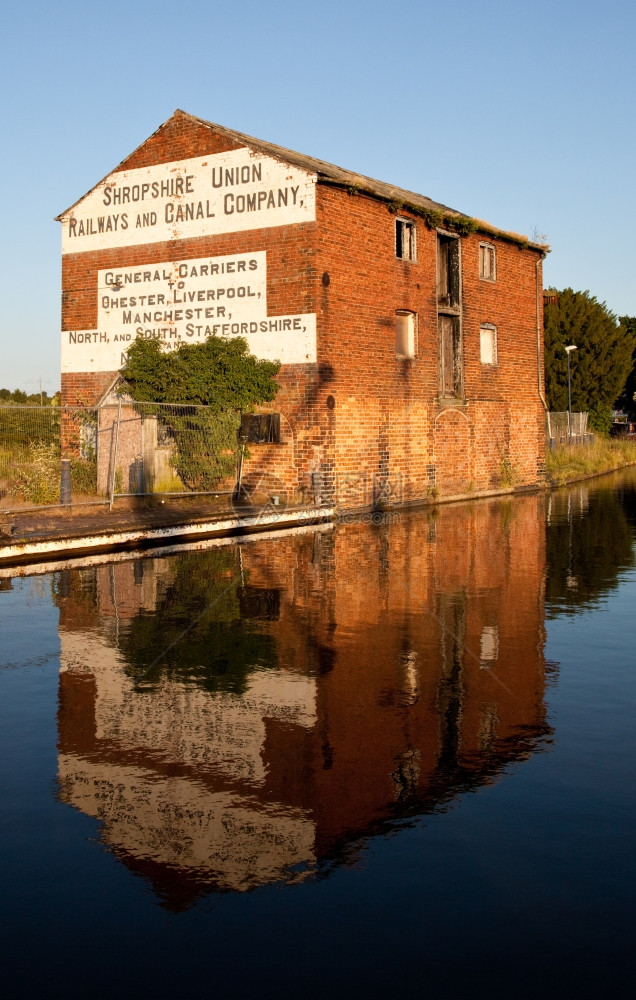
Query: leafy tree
{"type": "Point", "coordinates": [600, 365]}
{"type": "Point", "coordinates": [219, 374]}
{"type": "Point", "coordinates": [19, 398]}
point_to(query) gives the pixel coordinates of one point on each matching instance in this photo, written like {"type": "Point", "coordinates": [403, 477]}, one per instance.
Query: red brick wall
{"type": "Point", "coordinates": [367, 422]}
{"type": "Point", "coordinates": [388, 420]}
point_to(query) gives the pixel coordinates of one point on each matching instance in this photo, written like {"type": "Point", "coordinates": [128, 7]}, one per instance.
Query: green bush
{"type": "Point", "coordinates": [600, 419]}
{"type": "Point", "coordinates": [219, 374]}
{"type": "Point", "coordinates": [83, 477]}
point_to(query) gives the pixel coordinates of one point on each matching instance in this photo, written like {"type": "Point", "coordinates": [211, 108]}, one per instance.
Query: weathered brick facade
{"type": "Point", "coordinates": [361, 425]}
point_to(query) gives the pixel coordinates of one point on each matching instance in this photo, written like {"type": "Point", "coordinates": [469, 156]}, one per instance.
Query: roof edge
{"type": "Point", "coordinates": [434, 213]}
{"type": "Point", "coordinates": [58, 218]}
{"type": "Point", "coordinates": [437, 216]}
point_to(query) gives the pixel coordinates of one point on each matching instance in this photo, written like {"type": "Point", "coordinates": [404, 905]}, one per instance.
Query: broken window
{"type": "Point", "coordinates": [405, 334]}
{"type": "Point", "coordinates": [488, 344]}
{"type": "Point", "coordinates": [449, 316]}
{"type": "Point", "coordinates": [448, 283]}
{"type": "Point", "coordinates": [260, 428]}
{"type": "Point", "coordinates": [487, 262]}
{"type": "Point", "coordinates": [404, 239]}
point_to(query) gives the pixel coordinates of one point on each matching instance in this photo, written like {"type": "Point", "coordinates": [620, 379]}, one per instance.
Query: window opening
{"type": "Point", "coordinates": [450, 357]}
{"type": "Point", "coordinates": [448, 283]}
{"type": "Point", "coordinates": [404, 239]}
{"type": "Point", "coordinates": [487, 262]}
{"type": "Point", "coordinates": [260, 428]}
{"type": "Point", "coordinates": [405, 334]}
{"type": "Point", "coordinates": [488, 344]}
{"type": "Point", "coordinates": [449, 317]}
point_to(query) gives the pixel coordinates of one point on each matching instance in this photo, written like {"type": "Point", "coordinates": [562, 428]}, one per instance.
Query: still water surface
{"type": "Point", "coordinates": [353, 760]}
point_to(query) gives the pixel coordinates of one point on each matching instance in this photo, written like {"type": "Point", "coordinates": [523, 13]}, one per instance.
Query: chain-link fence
{"type": "Point", "coordinates": [32, 442]}
{"type": "Point", "coordinates": [52, 455]}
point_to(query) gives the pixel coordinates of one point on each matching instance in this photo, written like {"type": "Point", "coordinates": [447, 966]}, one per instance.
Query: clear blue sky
{"type": "Point", "coordinates": [521, 113]}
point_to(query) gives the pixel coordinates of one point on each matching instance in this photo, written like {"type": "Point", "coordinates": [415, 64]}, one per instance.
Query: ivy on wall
{"type": "Point", "coordinates": [218, 374]}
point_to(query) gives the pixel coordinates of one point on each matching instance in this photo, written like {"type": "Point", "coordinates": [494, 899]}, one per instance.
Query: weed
{"type": "Point", "coordinates": [507, 473]}
{"type": "Point", "coordinates": [83, 477]}
{"type": "Point", "coordinates": [37, 479]}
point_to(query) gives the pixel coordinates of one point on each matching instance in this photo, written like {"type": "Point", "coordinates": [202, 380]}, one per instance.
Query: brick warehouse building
{"type": "Point", "coordinates": [410, 335]}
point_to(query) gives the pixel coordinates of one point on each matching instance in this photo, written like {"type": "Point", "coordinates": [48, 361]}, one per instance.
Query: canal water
{"type": "Point", "coordinates": [350, 760]}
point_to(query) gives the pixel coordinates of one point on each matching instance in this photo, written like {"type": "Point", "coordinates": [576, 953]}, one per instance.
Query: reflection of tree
{"type": "Point", "coordinates": [586, 550]}
{"type": "Point", "coordinates": [198, 631]}
{"type": "Point", "coordinates": [627, 495]}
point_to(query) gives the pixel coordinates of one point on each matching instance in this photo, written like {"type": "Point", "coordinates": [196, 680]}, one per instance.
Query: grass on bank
{"type": "Point", "coordinates": [567, 464]}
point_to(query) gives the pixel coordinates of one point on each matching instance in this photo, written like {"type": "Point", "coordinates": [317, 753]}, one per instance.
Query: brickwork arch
{"type": "Point", "coordinates": [452, 451]}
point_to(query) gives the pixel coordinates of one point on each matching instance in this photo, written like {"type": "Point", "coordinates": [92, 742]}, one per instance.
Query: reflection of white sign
{"type": "Point", "coordinates": [222, 193]}
{"type": "Point", "coordinates": [187, 301]}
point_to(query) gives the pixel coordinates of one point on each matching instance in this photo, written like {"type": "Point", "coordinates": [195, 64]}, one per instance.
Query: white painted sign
{"type": "Point", "coordinates": [185, 302]}
{"type": "Point", "coordinates": [204, 196]}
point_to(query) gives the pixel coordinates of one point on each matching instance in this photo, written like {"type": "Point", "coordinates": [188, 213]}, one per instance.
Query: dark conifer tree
{"type": "Point", "coordinates": [601, 364]}
{"type": "Point", "coordinates": [627, 398]}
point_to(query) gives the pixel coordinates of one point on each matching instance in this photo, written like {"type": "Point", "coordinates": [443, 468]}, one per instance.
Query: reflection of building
{"type": "Point", "coordinates": [407, 667]}
{"type": "Point", "coordinates": [410, 336]}
{"type": "Point", "coordinates": [172, 772]}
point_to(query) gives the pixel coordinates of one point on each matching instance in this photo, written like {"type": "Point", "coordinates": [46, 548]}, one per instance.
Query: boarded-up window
{"type": "Point", "coordinates": [405, 334]}
{"type": "Point", "coordinates": [450, 356]}
{"type": "Point", "coordinates": [488, 344]}
{"type": "Point", "coordinates": [260, 428]}
{"type": "Point", "coordinates": [487, 262]}
{"type": "Point", "coordinates": [405, 239]}
{"type": "Point", "coordinates": [449, 316]}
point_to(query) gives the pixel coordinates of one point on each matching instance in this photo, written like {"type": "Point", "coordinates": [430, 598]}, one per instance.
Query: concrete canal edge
{"type": "Point", "coordinates": [16, 551]}
{"type": "Point", "coordinates": [36, 549]}
{"type": "Point", "coordinates": [63, 544]}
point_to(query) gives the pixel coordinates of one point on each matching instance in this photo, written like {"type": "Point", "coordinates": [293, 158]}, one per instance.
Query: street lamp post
{"type": "Point", "coordinates": [568, 351]}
